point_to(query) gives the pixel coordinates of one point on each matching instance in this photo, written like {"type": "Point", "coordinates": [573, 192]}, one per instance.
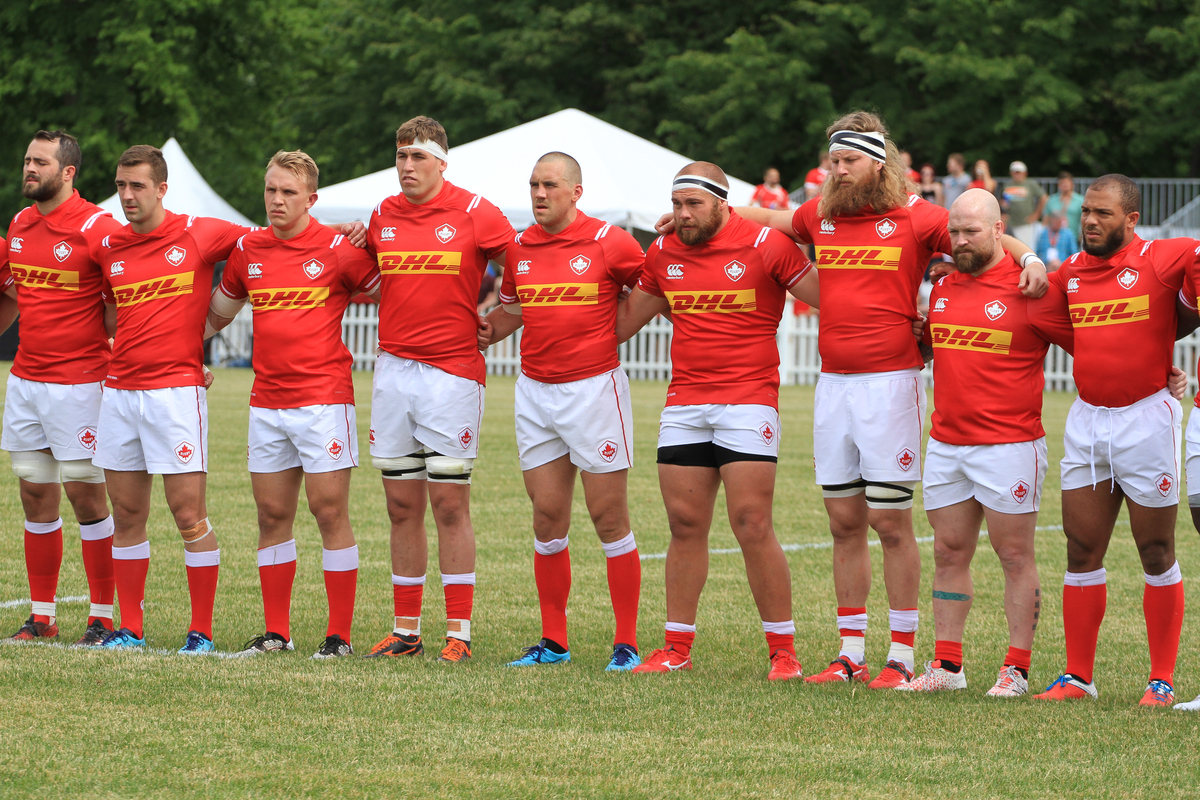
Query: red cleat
{"type": "Point", "coordinates": [841, 670]}
{"type": "Point", "coordinates": [784, 667]}
{"type": "Point", "coordinates": [664, 660]}
{"type": "Point", "coordinates": [892, 676]}
{"type": "Point", "coordinates": [32, 631]}
{"type": "Point", "coordinates": [1068, 687]}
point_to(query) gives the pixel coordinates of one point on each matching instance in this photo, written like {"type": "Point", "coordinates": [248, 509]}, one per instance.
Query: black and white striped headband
{"type": "Point", "coordinates": [869, 142]}
{"type": "Point", "coordinates": [704, 184]}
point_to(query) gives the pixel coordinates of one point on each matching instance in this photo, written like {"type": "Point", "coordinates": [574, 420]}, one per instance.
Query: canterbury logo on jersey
{"type": "Point", "coordinates": [712, 302]}
{"type": "Point", "coordinates": [559, 294]}
{"type": "Point", "coordinates": [45, 277]}
{"type": "Point", "coordinates": [1110, 312]}
{"type": "Point", "coordinates": [154, 289]}
{"type": "Point", "coordinates": [436, 263]}
{"type": "Point", "coordinates": [289, 298]}
{"type": "Point", "coordinates": [960, 337]}
{"type": "Point", "coordinates": [887, 258]}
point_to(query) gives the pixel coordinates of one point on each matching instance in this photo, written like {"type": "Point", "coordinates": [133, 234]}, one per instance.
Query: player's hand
{"type": "Point", "coordinates": [919, 325]}
{"type": "Point", "coordinates": [624, 294]}
{"type": "Point", "coordinates": [940, 270]}
{"type": "Point", "coordinates": [1177, 383]}
{"type": "Point", "coordinates": [355, 233]}
{"type": "Point", "coordinates": [665, 224]}
{"type": "Point", "coordinates": [483, 336]}
{"type": "Point", "coordinates": [1033, 282]}
{"type": "Point", "coordinates": [208, 376]}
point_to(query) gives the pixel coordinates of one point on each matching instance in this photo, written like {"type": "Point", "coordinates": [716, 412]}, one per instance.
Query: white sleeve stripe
{"type": "Point", "coordinates": [241, 239]}
{"type": "Point", "coordinates": [370, 285]}
{"type": "Point", "coordinates": [603, 231]}
{"type": "Point", "coordinates": [508, 299]}
{"type": "Point", "coordinates": [336, 241]}
{"type": "Point", "coordinates": [473, 204]}
{"type": "Point", "coordinates": [92, 220]}
{"type": "Point", "coordinates": [378, 207]}
{"type": "Point", "coordinates": [104, 242]}
{"type": "Point", "coordinates": [659, 241]}
{"type": "Point", "coordinates": [762, 237]}
{"type": "Point", "coordinates": [1183, 300]}
{"type": "Point", "coordinates": [224, 291]}
{"type": "Point", "coordinates": [517, 239]}
{"type": "Point", "coordinates": [19, 213]}
{"type": "Point", "coordinates": [190, 221]}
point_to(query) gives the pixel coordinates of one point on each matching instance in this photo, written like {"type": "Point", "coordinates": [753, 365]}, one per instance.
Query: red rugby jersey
{"type": "Point", "coordinates": [726, 297]}
{"type": "Point", "coordinates": [161, 283]}
{"type": "Point", "coordinates": [432, 258]}
{"type": "Point", "coordinates": [990, 344]}
{"type": "Point", "coordinates": [1123, 311]}
{"type": "Point", "coordinates": [871, 267]}
{"type": "Point", "coordinates": [6, 278]}
{"type": "Point", "coordinates": [58, 292]}
{"type": "Point", "coordinates": [567, 285]}
{"type": "Point", "coordinates": [770, 198]}
{"type": "Point", "coordinates": [1187, 294]}
{"type": "Point", "coordinates": [299, 289]}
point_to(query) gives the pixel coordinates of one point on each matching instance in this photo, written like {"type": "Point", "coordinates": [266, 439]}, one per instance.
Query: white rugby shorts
{"type": "Point", "coordinates": [868, 426]}
{"type": "Point", "coordinates": [62, 417]}
{"type": "Point", "coordinates": [1192, 439]}
{"type": "Point", "coordinates": [320, 438]}
{"type": "Point", "coordinates": [1137, 446]}
{"type": "Point", "coordinates": [590, 419]}
{"type": "Point", "coordinates": [414, 405]}
{"type": "Point", "coordinates": [742, 427]}
{"type": "Point", "coordinates": [1003, 477]}
{"type": "Point", "coordinates": [160, 431]}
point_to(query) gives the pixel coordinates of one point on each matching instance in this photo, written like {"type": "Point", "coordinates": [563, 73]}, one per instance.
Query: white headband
{"type": "Point", "coordinates": [704, 184]}
{"type": "Point", "coordinates": [433, 148]}
{"type": "Point", "coordinates": [870, 142]}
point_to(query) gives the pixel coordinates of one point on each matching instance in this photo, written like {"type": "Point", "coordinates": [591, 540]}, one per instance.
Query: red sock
{"type": "Point", "coordinates": [43, 558]}
{"type": "Point", "coordinates": [1016, 657]}
{"type": "Point", "coordinates": [460, 597]}
{"type": "Point", "coordinates": [553, 577]}
{"type": "Point", "coordinates": [682, 641]}
{"type": "Point", "coordinates": [625, 590]}
{"type": "Point", "coordinates": [340, 587]}
{"type": "Point", "coordinates": [98, 565]}
{"type": "Point", "coordinates": [202, 586]}
{"type": "Point", "coordinates": [946, 650]}
{"type": "Point", "coordinates": [277, 581]}
{"type": "Point", "coordinates": [1083, 611]}
{"type": "Point", "coordinates": [130, 578]}
{"type": "Point", "coordinates": [406, 600]}
{"type": "Point", "coordinates": [781, 641]}
{"type": "Point", "coordinates": [1163, 607]}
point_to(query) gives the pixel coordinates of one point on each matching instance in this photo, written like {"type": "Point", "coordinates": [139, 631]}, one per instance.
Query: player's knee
{"type": "Point", "coordinates": [197, 532]}
{"type": "Point", "coordinates": [82, 471]}
{"type": "Point", "coordinates": [949, 553]}
{"type": "Point", "coordinates": [448, 469]}
{"type": "Point", "coordinates": [890, 496]}
{"type": "Point", "coordinates": [751, 525]}
{"type": "Point", "coordinates": [1157, 556]}
{"type": "Point", "coordinates": [34, 466]}
{"type": "Point", "coordinates": [406, 468]}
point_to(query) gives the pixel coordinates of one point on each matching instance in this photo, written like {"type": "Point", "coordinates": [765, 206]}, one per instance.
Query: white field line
{"type": "Point", "coordinates": [25, 601]}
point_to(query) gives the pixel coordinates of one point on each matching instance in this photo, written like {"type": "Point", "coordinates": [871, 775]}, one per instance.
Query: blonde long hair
{"type": "Point", "coordinates": [891, 189]}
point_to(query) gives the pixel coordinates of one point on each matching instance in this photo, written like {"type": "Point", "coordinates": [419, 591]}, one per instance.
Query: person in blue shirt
{"type": "Point", "coordinates": [1056, 243]}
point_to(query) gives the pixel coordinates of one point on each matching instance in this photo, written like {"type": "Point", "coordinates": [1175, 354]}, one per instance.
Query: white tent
{"type": "Point", "coordinates": [187, 191]}
{"type": "Point", "coordinates": [626, 179]}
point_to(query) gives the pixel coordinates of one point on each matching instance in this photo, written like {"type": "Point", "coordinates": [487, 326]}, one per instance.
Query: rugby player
{"type": "Point", "coordinates": [52, 401]}
{"type": "Point", "coordinates": [433, 242]}
{"type": "Point", "coordinates": [572, 399]}
{"type": "Point", "coordinates": [299, 277]}
{"type": "Point", "coordinates": [723, 280]}
{"type": "Point", "coordinates": [1122, 437]}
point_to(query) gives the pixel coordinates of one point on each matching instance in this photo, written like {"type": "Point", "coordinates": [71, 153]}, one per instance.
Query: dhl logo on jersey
{"type": "Point", "coordinates": [154, 289]}
{"type": "Point", "coordinates": [289, 298]}
{"type": "Point", "coordinates": [1110, 312]}
{"type": "Point", "coordinates": [886, 258]}
{"type": "Point", "coordinates": [420, 263]}
{"type": "Point", "coordinates": [45, 277]}
{"type": "Point", "coordinates": [960, 337]}
{"type": "Point", "coordinates": [559, 294]}
{"type": "Point", "coordinates": [712, 302]}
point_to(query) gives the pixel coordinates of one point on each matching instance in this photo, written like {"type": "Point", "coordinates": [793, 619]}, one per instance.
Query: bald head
{"type": "Point", "coordinates": [570, 167]}
{"type": "Point", "coordinates": [977, 204]}
{"type": "Point", "coordinates": [975, 230]}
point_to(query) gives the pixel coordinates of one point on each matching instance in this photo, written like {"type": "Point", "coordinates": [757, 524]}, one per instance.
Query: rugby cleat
{"type": "Point", "coordinates": [334, 647]}
{"type": "Point", "coordinates": [31, 631]}
{"type": "Point", "coordinates": [93, 635]}
{"type": "Point", "coordinates": [894, 675]}
{"type": "Point", "coordinates": [540, 654]}
{"type": "Point", "coordinates": [624, 658]}
{"type": "Point", "coordinates": [196, 644]}
{"type": "Point", "coordinates": [665, 659]}
{"type": "Point", "coordinates": [784, 666]}
{"type": "Point", "coordinates": [1010, 683]}
{"type": "Point", "coordinates": [1158, 693]}
{"type": "Point", "coordinates": [456, 651]}
{"type": "Point", "coordinates": [122, 639]}
{"type": "Point", "coordinates": [1192, 706]}
{"type": "Point", "coordinates": [268, 642]}
{"type": "Point", "coordinates": [841, 670]}
{"type": "Point", "coordinates": [934, 679]}
{"type": "Point", "coordinates": [1068, 687]}
{"type": "Point", "coordinates": [396, 645]}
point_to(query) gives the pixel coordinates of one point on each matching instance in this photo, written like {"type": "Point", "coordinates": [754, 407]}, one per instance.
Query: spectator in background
{"type": "Point", "coordinates": [489, 287]}
{"type": "Point", "coordinates": [983, 177]}
{"type": "Point", "coordinates": [1022, 201]}
{"type": "Point", "coordinates": [1056, 243]}
{"type": "Point", "coordinates": [1067, 203]}
{"type": "Point", "coordinates": [909, 172]}
{"type": "Point", "coordinates": [816, 176]}
{"type": "Point", "coordinates": [931, 189]}
{"type": "Point", "coordinates": [957, 182]}
{"type": "Point", "coordinates": [769, 193]}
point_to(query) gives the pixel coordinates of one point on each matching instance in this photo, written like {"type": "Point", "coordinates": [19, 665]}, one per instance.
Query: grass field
{"type": "Point", "coordinates": [158, 725]}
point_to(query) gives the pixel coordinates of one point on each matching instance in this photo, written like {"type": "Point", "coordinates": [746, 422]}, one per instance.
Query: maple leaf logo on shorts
{"type": "Point", "coordinates": [1020, 490]}
{"type": "Point", "coordinates": [87, 438]}
{"type": "Point", "coordinates": [465, 437]}
{"type": "Point", "coordinates": [1164, 484]}
{"type": "Point", "coordinates": [905, 458]}
{"type": "Point", "coordinates": [335, 448]}
{"type": "Point", "coordinates": [767, 432]}
{"type": "Point", "coordinates": [185, 451]}
{"type": "Point", "coordinates": [607, 451]}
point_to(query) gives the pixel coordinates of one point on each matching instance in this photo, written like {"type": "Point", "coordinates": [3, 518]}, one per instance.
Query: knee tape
{"type": "Point", "coordinates": [890, 495]}
{"type": "Point", "coordinates": [83, 471]}
{"type": "Point", "coordinates": [406, 468]}
{"type": "Point", "coordinates": [36, 467]}
{"type": "Point", "coordinates": [446, 469]}
{"type": "Point", "coordinates": [196, 532]}
{"type": "Point", "coordinates": [844, 489]}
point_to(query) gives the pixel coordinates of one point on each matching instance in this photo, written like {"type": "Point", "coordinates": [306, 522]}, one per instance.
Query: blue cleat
{"type": "Point", "coordinates": [624, 658]}
{"type": "Point", "coordinates": [540, 654]}
{"type": "Point", "coordinates": [197, 643]}
{"type": "Point", "coordinates": [122, 639]}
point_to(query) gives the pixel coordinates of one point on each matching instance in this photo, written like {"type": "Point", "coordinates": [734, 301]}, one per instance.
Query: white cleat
{"type": "Point", "coordinates": [1009, 684]}
{"type": "Point", "coordinates": [1192, 706]}
{"type": "Point", "coordinates": [935, 679]}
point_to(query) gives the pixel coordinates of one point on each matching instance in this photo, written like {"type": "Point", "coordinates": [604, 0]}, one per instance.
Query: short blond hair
{"type": "Point", "coordinates": [298, 163]}
{"type": "Point", "coordinates": [425, 128]}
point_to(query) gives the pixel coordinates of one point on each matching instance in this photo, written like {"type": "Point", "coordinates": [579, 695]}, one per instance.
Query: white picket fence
{"type": "Point", "coordinates": [647, 356]}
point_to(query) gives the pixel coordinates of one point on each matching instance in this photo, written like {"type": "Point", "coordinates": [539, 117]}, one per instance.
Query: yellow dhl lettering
{"type": "Point", "coordinates": [45, 277]}
{"type": "Point", "coordinates": [559, 294]}
{"type": "Point", "coordinates": [289, 298]}
{"type": "Point", "coordinates": [712, 302]}
{"type": "Point", "coordinates": [960, 337]}
{"type": "Point", "coordinates": [153, 289]}
{"type": "Point", "coordinates": [1110, 312]}
{"type": "Point", "coordinates": [423, 262]}
{"type": "Point", "coordinates": [886, 258]}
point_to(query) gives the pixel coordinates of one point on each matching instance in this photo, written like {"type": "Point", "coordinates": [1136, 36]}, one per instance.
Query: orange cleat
{"type": "Point", "coordinates": [665, 659]}
{"type": "Point", "coordinates": [841, 670]}
{"type": "Point", "coordinates": [1158, 694]}
{"type": "Point", "coordinates": [32, 631]}
{"type": "Point", "coordinates": [456, 651]}
{"type": "Point", "coordinates": [893, 676]}
{"type": "Point", "coordinates": [1068, 687]}
{"type": "Point", "coordinates": [784, 666]}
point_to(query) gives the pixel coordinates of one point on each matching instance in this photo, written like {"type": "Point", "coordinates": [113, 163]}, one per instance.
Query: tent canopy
{"type": "Point", "coordinates": [626, 179]}
{"type": "Point", "coordinates": [187, 191]}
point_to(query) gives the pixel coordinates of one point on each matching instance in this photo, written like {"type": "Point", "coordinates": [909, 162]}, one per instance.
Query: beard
{"type": "Point", "coordinates": [705, 228]}
{"type": "Point", "coordinates": [841, 201]}
{"type": "Point", "coordinates": [44, 189]}
{"type": "Point", "coordinates": [970, 260]}
{"type": "Point", "coordinates": [1111, 244]}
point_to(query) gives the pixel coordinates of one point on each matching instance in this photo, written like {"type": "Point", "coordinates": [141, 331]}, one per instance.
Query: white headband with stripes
{"type": "Point", "coordinates": [429, 146]}
{"type": "Point", "coordinates": [869, 142]}
{"type": "Point", "coordinates": [704, 184]}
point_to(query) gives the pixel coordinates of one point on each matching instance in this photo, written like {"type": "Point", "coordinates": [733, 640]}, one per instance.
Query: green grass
{"type": "Point", "coordinates": [152, 725]}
